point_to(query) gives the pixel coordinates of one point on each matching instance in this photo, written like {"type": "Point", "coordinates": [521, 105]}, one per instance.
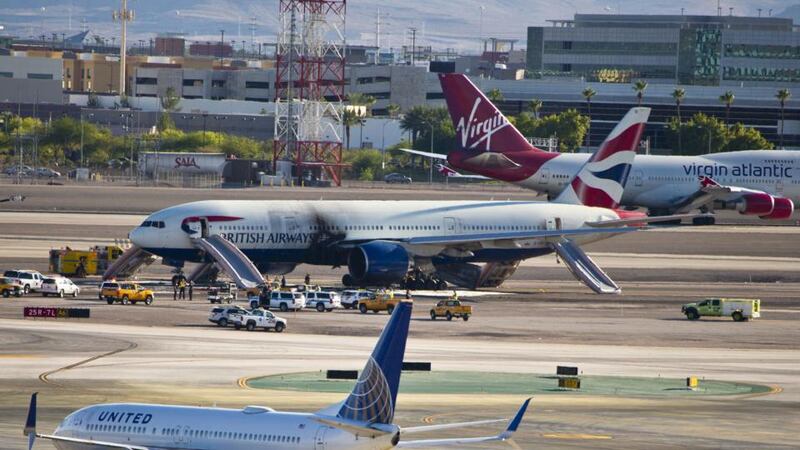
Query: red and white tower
{"type": "Point", "coordinates": [309, 85]}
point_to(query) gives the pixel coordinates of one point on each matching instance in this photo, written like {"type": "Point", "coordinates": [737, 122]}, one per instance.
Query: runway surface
{"type": "Point", "coordinates": [541, 318]}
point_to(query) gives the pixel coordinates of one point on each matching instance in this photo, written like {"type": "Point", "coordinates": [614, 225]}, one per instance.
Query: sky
{"type": "Point", "coordinates": [439, 23]}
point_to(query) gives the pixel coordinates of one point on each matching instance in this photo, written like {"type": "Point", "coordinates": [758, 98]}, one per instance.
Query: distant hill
{"type": "Point", "coordinates": [440, 23]}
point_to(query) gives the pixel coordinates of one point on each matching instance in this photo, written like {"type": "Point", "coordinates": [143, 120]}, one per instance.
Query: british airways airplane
{"type": "Point", "coordinates": [364, 420]}
{"type": "Point", "coordinates": [763, 183]}
{"type": "Point", "coordinates": [382, 242]}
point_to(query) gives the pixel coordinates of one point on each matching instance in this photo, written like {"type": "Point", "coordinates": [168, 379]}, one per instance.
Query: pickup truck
{"type": "Point", "coordinates": [30, 280]}
{"type": "Point", "coordinates": [380, 302]}
{"type": "Point", "coordinates": [258, 318]}
{"type": "Point", "coordinates": [451, 308]}
{"type": "Point", "coordinates": [10, 286]}
{"type": "Point", "coordinates": [739, 309]}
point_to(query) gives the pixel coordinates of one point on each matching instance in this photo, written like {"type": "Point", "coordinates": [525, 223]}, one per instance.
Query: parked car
{"type": "Point", "coordinates": [397, 178]}
{"type": "Point", "coordinates": [10, 286]}
{"type": "Point", "coordinates": [59, 286]}
{"type": "Point", "coordinates": [222, 315]}
{"type": "Point", "coordinates": [323, 300]}
{"type": "Point", "coordinates": [31, 280]}
{"type": "Point", "coordinates": [350, 298]}
{"type": "Point", "coordinates": [259, 318]}
{"type": "Point", "coordinates": [451, 308]}
{"type": "Point", "coordinates": [125, 293]}
{"type": "Point", "coordinates": [283, 300]}
{"type": "Point", "coordinates": [47, 172]}
{"type": "Point", "coordinates": [739, 309]}
{"type": "Point", "coordinates": [24, 170]}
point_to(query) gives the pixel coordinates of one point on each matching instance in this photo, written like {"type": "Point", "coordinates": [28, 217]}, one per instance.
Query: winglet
{"type": "Point", "coordinates": [30, 423]}
{"type": "Point", "coordinates": [514, 424]}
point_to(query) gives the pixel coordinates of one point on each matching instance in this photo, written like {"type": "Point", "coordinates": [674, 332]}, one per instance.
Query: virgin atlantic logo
{"type": "Point", "coordinates": [475, 131]}
{"type": "Point", "coordinates": [185, 161]}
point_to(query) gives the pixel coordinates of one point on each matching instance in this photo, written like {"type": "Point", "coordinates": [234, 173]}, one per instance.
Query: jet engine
{"type": "Point", "coordinates": [756, 204]}
{"type": "Point", "coordinates": [784, 208]}
{"type": "Point", "coordinates": [377, 263]}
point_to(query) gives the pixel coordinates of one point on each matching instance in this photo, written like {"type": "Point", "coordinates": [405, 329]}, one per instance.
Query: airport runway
{"type": "Point", "coordinates": [541, 318]}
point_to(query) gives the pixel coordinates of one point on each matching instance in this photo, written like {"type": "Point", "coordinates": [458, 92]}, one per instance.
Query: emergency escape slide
{"type": "Point", "coordinates": [238, 266]}
{"type": "Point", "coordinates": [584, 269]}
{"type": "Point", "coordinates": [128, 263]}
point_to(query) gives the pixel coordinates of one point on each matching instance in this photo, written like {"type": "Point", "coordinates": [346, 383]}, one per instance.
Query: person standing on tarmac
{"type": "Point", "coordinates": [182, 288]}
{"type": "Point", "coordinates": [283, 281]}
{"type": "Point", "coordinates": [308, 279]}
{"type": "Point", "coordinates": [191, 289]}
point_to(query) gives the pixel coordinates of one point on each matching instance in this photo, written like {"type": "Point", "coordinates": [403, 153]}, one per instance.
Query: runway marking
{"type": "Point", "coordinates": [773, 389]}
{"type": "Point", "coordinates": [242, 382]}
{"type": "Point", "coordinates": [577, 436]}
{"type": "Point", "coordinates": [44, 377]}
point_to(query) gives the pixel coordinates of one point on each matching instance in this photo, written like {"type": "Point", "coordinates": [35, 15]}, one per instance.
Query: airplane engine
{"type": "Point", "coordinates": [377, 263]}
{"type": "Point", "coordinates": [756, 204]}
{"type": "Point", "coordinates": [784, 208]}
{"type": "Point", "coordinates": [271, 268]}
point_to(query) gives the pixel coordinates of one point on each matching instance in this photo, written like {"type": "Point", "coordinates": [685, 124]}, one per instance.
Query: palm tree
{"type": "Point", "coordinates": [535, 106]}
{"type": "Point", "coordinates": [495, 95]}
{"type": "Point", "coordinates": [393, 109]}
{"type": "Point", "coordinates": [588, 93]}
{"type": "Point", "coordinates": [359, 99]}
{"type": "Point", "coordinates": [639, 87]}
{"type": "Point", "coordinates": [679, 94]}
{"type": "Point", "coordinates": [413, 122]}
{"type": "Point", "coordinates": [782, 96]}
{"type": "Point", "coordinates": [349, 119]}
{"type": "Point", "coordinates": [727, 98]}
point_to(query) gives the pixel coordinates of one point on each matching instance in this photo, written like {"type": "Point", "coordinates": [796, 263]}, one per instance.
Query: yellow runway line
{"type": "Point", "coordinates": [577, 436]}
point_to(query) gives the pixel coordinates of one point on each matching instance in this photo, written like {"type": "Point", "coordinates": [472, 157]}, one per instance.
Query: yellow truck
{"type": "Point", "coordinates": [383, 301]}
{"type": "Point", "coordinates": [125, 293]}
{"type": "Point", "coordinates": [9, 287]}
{"type": "Point", "coordinates": [81, 263]}
{"type": "Point", "coordinates": [451, 308]}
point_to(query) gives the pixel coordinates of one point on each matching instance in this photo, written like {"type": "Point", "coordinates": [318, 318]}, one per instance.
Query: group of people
{"type": "Point", "coordinates": [179, 285]}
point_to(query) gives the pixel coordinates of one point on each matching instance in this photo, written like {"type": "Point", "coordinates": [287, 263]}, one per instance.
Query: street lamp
{"type": "Point", "coordinates": [430, 176]}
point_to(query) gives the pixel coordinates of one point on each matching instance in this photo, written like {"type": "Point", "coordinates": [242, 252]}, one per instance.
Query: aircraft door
{"type": "Point", "coordinates": [451, 226]}
{"type": "Point", "coordinates": [319, 439]}
{"type": "Point", "coordinates": [553, 223]}
{"type": "Point", "coordinates": [638, 177]}
{"type": "Point", "coordinates": [544, 177]}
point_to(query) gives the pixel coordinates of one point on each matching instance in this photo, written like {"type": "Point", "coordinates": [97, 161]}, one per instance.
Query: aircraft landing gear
{"type": "Point", "coordinates": [418, 280]}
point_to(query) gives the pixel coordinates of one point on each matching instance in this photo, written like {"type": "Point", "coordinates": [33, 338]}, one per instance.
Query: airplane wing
{"type": "Point", "coordinates": [30, 431]}
{"type": "Point", "coordinates": [504, 436]}
{"type": "Point", "coordinates": [450, 173]}
{"type": "Point", "coordinates": [711, 191]}
{"type": "Point", "coordinates": [425, 154]}
{"type": "Point", "coordinates": [515, 235]}
{"type": "Point", "coordinates": [642, 220]}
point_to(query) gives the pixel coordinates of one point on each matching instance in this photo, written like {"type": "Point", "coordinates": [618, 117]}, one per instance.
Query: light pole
{"type": "Point", "coordinates": [383, 145]}
{"type": "Point", "coordinates": [480, 31]}
{"type": "Point", "coordinates": [430, 176]}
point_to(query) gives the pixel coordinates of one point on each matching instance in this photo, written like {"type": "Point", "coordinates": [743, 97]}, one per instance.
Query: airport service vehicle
{"type": "Point", "coordinates": [259, 318]}
{"type": "Point", "coordinates": [382, 301]}
{"type": "Point", "coordinates": [221, 315]}
{"type": "Point", "coordinates": [350, 297]}
{"type": "Point", "coordinates": [762, 183]}
{"type": "Point", "coordinates": [10, 286]}
{"type": "Point", "coordinates": [451, 308]}
{"type": "Point", "coordinates": [282, 300]}
{"type": "Point", "coordinates": [59, 286]}
{"type": "Point", "coordinates": [394, 178]}
{"type": "Point", "coordinates": [81, 263]}
{"type": "Point", "coordinates": [30, 280]}
{"type": "Point", "coordinates": [125, 293]}
{"type": "Point", "coordinates": [346, 425]}
{"type": "Point", "coordinates": [739, 309]}
{"type": "Point", "coordinates": [467, 243]}
{"type": "Point", "coordinates": [323, 300]}
{"type": "Point", "coordinates": [224, 292]}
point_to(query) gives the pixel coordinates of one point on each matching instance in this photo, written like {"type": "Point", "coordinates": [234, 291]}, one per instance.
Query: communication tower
{"type": "Point", "coordinates": [309, 85]}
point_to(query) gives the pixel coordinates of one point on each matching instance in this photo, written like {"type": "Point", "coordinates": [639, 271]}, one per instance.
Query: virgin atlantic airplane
{"type": "Point", "coordinates": [763, 183]}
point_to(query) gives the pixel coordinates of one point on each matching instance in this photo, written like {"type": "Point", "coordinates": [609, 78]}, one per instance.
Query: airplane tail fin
{"type": "Point", "coordinates": [479, 124]}
{"type": "Point", "coordinates": [373, 398]}
{"type": "Point", "coordinates": [601, 181]}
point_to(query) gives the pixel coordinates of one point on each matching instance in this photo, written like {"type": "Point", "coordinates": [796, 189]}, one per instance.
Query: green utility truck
{"type": "Point", "coordinates": [739, 309]}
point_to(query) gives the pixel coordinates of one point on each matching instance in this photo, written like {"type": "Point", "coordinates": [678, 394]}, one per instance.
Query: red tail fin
{"type": "Point", "coordinates": [479, 124]}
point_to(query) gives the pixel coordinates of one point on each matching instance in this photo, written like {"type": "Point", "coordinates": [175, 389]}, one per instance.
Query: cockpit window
{"type": "Point", "coordinates": [153, 223]}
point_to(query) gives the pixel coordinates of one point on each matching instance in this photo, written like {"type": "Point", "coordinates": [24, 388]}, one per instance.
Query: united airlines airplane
{"type": "Point", "coordinates": [381, 242]}
{"type": "Point", "coordinates": [364, 420]}
{"type": "Point", "coordinates": [763, 183]}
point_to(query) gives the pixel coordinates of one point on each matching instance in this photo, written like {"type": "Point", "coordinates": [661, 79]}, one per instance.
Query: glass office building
{"type": "Point", "coordinates": [686, 50]}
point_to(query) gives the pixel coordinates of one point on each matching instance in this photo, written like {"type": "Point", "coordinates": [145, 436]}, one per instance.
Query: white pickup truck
{"type": "Point", "coordinates": [258, 318]}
